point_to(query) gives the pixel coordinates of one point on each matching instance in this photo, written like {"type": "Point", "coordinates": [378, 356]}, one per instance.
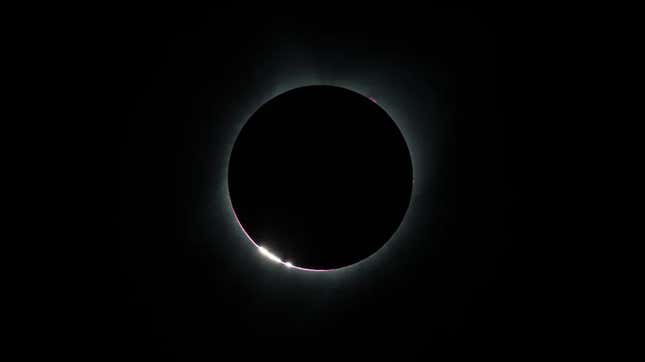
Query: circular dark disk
{"type": "Point", "coordinates": [320, 176]}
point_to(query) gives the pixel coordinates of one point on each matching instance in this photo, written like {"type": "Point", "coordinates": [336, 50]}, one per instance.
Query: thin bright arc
{"type": "Point", "coordinates": [266, 253]}
{"type": "Point", "coordinates": [270, 255]}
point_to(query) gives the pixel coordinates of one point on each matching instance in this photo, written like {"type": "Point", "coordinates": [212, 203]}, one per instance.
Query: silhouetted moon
{"type": "Point", "coordinates": [320, 177]}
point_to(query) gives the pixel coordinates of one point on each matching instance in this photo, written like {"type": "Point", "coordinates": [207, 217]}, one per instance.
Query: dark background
{"type": "Point", "coordinates": [185, 286]}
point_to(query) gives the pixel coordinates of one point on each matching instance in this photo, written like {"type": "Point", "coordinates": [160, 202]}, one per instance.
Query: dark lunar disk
{"type": "Point", "coordinates": [320, 176]}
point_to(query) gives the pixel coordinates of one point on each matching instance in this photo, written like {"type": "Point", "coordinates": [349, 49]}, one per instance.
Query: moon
{"type": "Point", "coordinates": [320, 178]}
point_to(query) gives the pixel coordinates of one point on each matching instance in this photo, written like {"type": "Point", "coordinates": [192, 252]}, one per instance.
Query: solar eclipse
{"type": "Point", "coordinates": [320, 177]}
